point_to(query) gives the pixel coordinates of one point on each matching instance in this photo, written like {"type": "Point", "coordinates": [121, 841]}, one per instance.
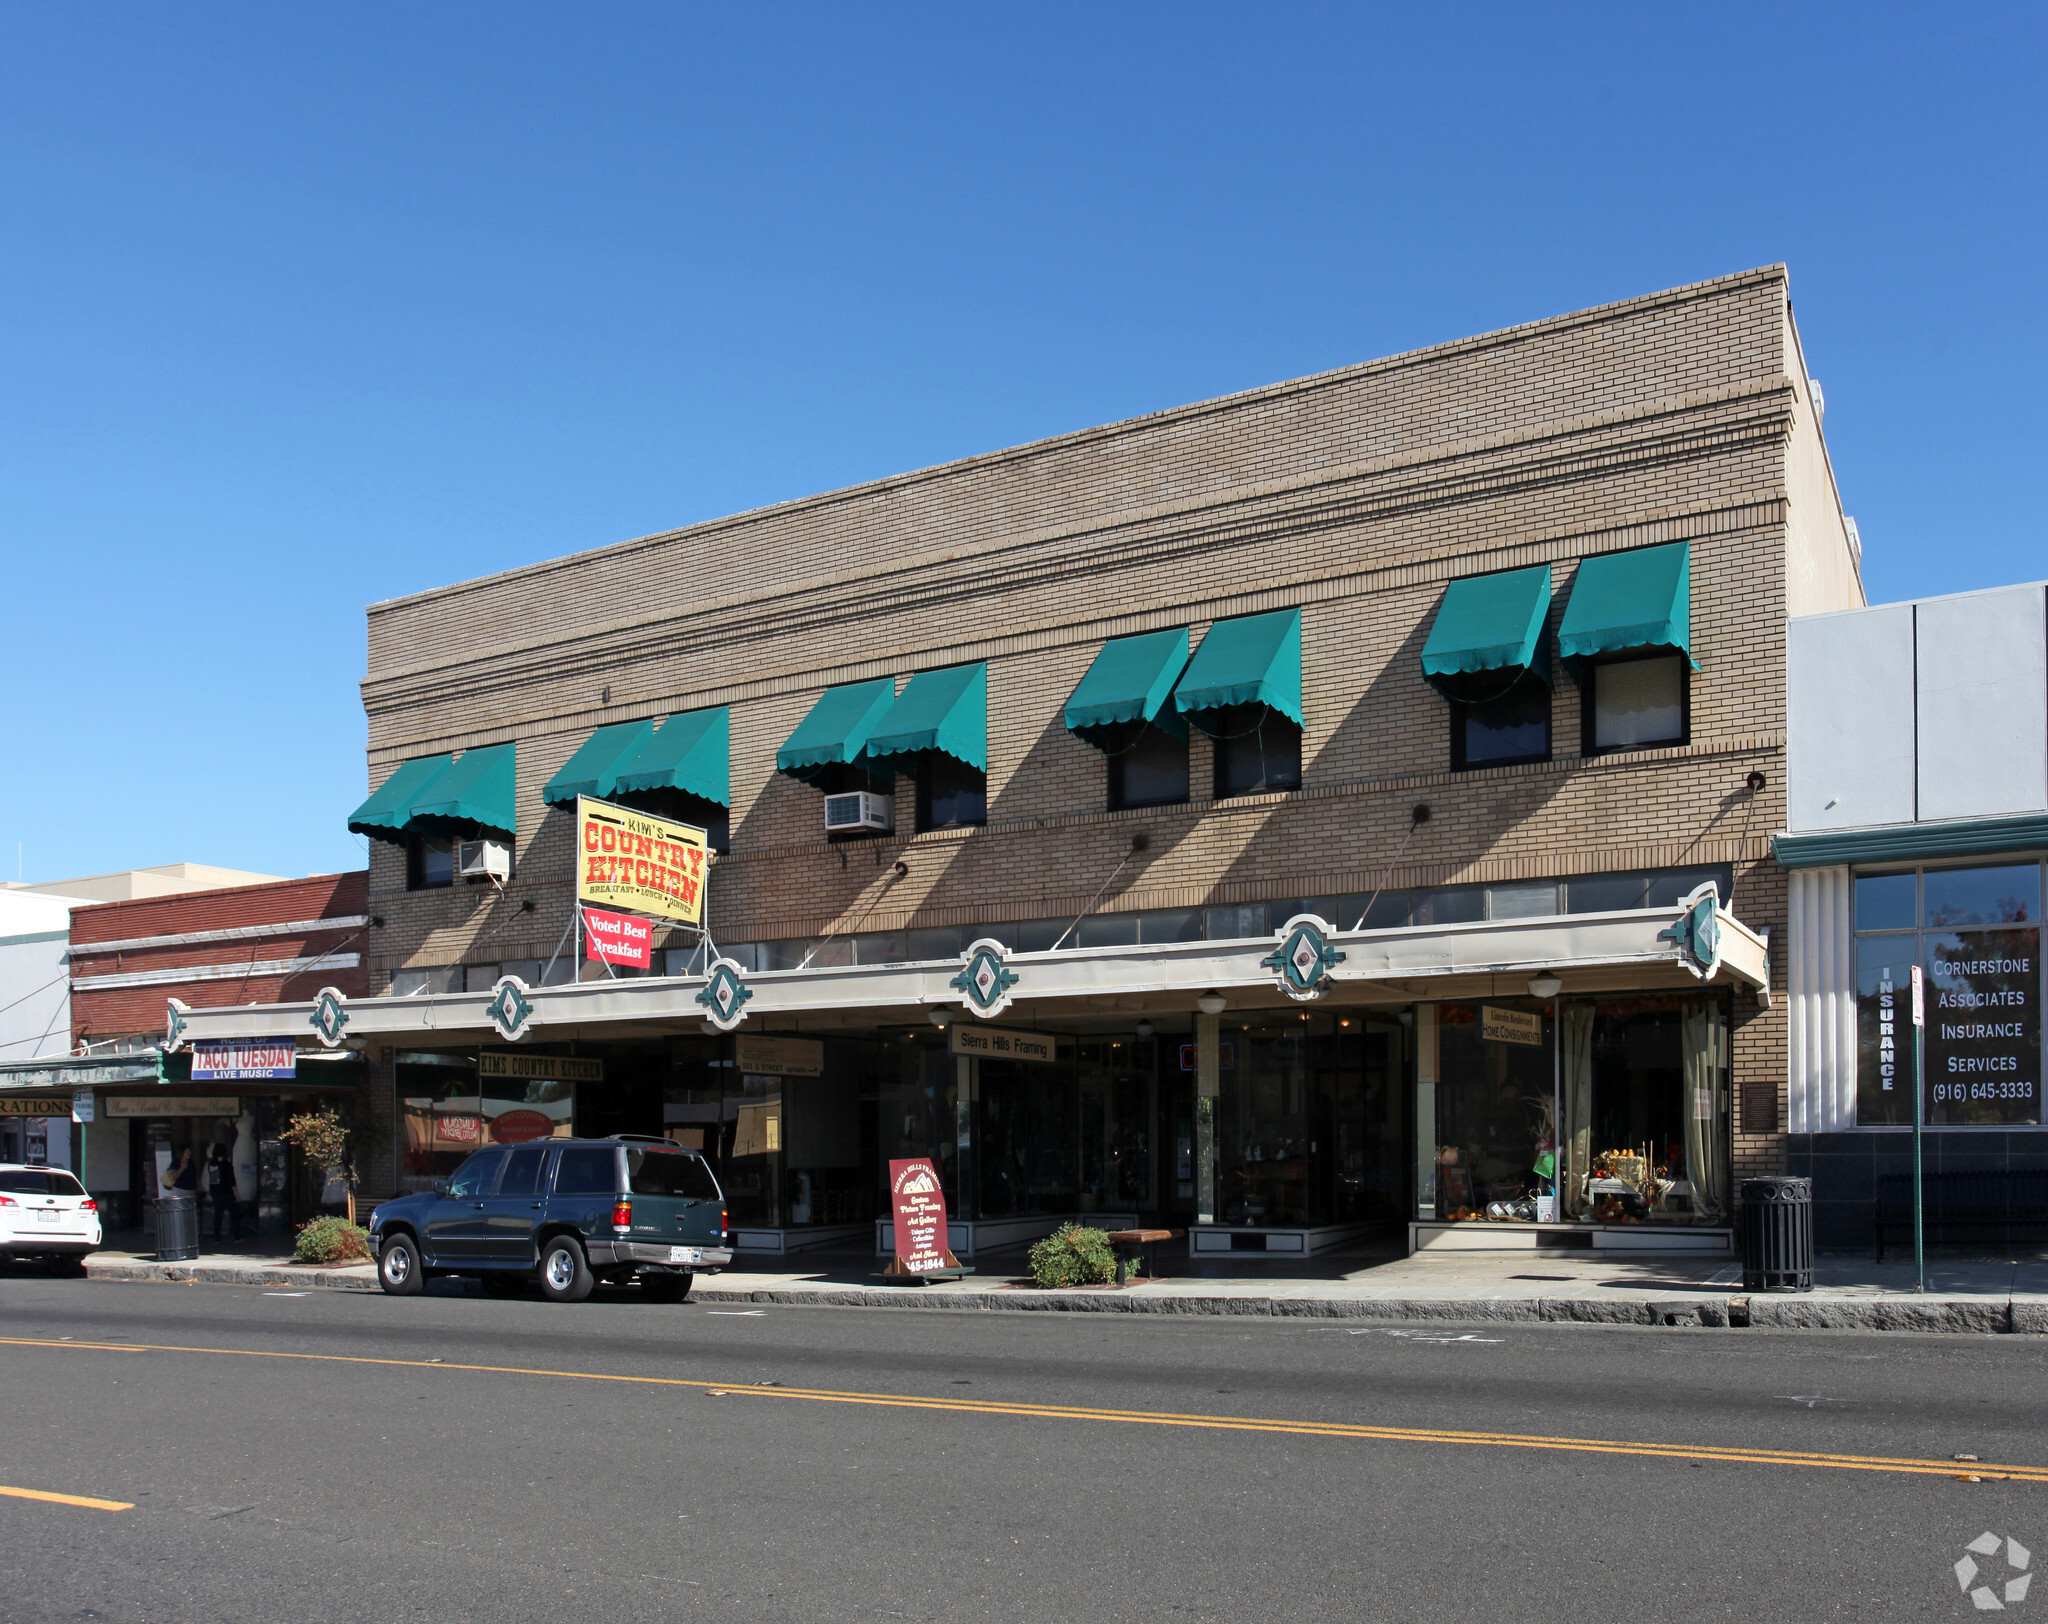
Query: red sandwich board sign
{"type": "Point", "coordinates": [919, 1204]}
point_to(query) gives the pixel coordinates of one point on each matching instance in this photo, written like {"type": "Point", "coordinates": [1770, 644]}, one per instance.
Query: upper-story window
{"type": "Point", "coordinates": [429, 861]}
{"type": "Point", "coordinates": [1509, 727]}
{"type": "Point", "coordinates": [950, 793]}
{"type": "Point", "coordinates": [1256, 750]}
{"type": "Point", "coordinates": [1631, 704]}
{"type": "Point", "coordinates": [1146, 766]}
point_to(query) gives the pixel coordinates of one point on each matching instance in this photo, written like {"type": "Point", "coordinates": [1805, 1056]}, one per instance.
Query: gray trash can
{"type": "Point", "coordinates": [177, 1227]}
{"type": "Point", "coordinates": [1777, 1234]}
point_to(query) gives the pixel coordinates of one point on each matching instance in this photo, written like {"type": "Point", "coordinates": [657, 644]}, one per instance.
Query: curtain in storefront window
{"type": "Point", "coordinates": [1704, 1036]}
{"type": "Point", "coordinates": [1575, 1061]}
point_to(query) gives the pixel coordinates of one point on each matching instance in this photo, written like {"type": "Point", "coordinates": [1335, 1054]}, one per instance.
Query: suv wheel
{"type": "Point", "coordinates": [398, 1267]}
{"type": "Point", "coordinates": [565, 1275]}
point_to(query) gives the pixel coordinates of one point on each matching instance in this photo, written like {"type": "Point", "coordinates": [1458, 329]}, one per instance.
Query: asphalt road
{"type": "Point", "coordinates": [334, 1456]}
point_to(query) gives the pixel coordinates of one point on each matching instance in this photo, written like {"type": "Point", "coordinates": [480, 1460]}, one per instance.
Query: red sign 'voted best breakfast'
{"type": "Point", "coordinates": [920, 1208]}
{"type": "Point", "coordinates": [612, 938]}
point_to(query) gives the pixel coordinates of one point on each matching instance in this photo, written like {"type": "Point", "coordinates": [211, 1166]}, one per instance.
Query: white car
{"type": "Point", "coordinates": [45, 1213]}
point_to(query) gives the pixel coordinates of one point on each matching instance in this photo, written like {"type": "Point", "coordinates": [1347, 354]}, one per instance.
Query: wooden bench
{"type": "Point", "coordinates": [1134, 1245]}
{"type": "Point", "coordinates": [1960, 1200]}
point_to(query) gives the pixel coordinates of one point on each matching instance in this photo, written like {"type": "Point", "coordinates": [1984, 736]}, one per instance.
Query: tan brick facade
{"type": "Point", "coordinates": [1356, 495]}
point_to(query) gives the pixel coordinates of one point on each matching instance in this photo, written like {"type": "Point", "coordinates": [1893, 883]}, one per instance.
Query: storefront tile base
{"type": "Point", "coordinates": [969, 1237]}
{"type": "Point", "coordinates": [802, 1238]}
{"type": "Point", "coordinates": [1562, 1239]}
{"type": "Point", "coordinates": [1241, 1240]}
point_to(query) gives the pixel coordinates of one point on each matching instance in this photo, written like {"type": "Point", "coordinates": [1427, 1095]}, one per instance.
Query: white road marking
{"type": "Point", "coordinates": [1420, 1336]}
{"type": "Point", "coordinates": [738, 1312]}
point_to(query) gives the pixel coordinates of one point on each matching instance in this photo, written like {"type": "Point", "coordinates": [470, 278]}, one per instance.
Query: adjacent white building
{"type": "Point", "coordinates": [1917, 811]}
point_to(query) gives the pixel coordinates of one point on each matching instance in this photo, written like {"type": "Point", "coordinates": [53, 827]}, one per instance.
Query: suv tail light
{"type": "Point", "coordinates": [88, 1205]}
{"type": "Point", "coordinates": [724, 1221]}
{"type": "Point", "coordinates": [8, 1201]}
{"type": "Point", "coordinates": [622, 1215]}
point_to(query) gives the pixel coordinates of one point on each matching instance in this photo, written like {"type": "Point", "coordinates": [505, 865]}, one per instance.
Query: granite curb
{"type": "Point", "coordinates": [1974, 1315]}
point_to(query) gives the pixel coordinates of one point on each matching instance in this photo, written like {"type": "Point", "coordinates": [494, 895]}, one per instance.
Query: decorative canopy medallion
{"type": "Point", "coordinates": [985, 984]}
{"type": "Point", "coordinates": [1697, 932]}
{"type": "Point", "coordinates": [725, 995]}
{"type": "Point", "coordinates": [329, 1016]}
{"type": "Point", "coordinates": [174, 1024]}
{"type": "Point", "coordinates": [510, 1010]}
{"type": "Point", "coordinates": [1304, 959]}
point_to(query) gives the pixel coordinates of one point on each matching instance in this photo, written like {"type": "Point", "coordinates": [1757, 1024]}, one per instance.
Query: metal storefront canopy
{"type": "Point", "coordinates": [690, 753]}
{"type": "Point", "coordinates": [1489, 632]}
{"type": "Point", "coordinates": [1131, 681]}
{"type": "Point", "coordinates": [83, 1071]}
{"type": "Point", "coordinates": [388, 811]}
{"type": "Point", "coordinates": [1622, 603]}
{"type": "Point", "coordinates": [1252, 660]}
{"type": "Point", "coordinates": [479, 790]}
{"type": "Point", "coordinates": [836, 731]}
{"type": "Point", "coordinates": [945, 711]}
{"type": "Point", "coordinates": [589, 771]}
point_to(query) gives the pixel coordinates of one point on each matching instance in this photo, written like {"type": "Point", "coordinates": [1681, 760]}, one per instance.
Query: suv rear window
{"type": "Point", "coordinates": [40, 1183]}
{"type": "Point", "coordinates": [587, 1170]}
{"type": "Point", "coordinates": [670, 1172]}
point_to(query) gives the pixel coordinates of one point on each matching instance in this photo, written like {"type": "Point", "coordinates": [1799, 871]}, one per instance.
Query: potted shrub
{"type": "Point", "coordinates": [332, 1240]}
{"type": "Point", "coordinates": [1074, 1256]}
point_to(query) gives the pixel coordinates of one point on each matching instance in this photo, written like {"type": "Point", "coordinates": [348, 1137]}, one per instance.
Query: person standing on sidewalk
{"type": "Point", "coordinates": [220, 1191]}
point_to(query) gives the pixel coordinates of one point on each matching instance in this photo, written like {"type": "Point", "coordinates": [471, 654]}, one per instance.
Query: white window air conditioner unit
{"type": "Point", "coordinates": [483, 860]}
{"type": "Point", "coordinates": [860, 810]}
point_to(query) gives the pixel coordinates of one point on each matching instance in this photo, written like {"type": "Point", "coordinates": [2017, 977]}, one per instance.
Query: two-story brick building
{"type": "Point", "coordinates": [1312, 810]}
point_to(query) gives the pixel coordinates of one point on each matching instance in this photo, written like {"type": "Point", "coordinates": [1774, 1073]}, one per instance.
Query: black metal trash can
{"type": "Point", "coordinates": [1777, 1234]}
{"type": "Point", "coordinates": [177, 1227]}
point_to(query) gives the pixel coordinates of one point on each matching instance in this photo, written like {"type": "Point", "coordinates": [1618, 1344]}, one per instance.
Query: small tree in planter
{"type": "Point", "coordinates": [321, 1136]}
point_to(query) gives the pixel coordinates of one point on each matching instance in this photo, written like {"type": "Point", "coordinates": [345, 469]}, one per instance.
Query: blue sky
{"type": "Point", "coordinates": [308, 306]}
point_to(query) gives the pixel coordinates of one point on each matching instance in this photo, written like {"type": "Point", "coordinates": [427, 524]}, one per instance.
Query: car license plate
{"type": "Point", "coordinates": [686, 1254]}
{"type": "Point", "coordinates": [49, 1216]}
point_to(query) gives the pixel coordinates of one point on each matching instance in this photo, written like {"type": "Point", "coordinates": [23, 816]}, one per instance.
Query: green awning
{"type": "Point", "coordinates": [1489, 631]}
{"type": "Point", "coordinates": [386, 813]}
{"type": "Point", "coordinates": [690, 753]}
{"type": "Point", "coordinates": [1253, 660]}
{"type": "Point", "coordinates": [1131, 681]}
{"type": "Point", "coordinates": [946, 711]}
{"type": "Point", "coordinates": [590, 770]}
{"type": "Point", "coordinates": [1625, 602]}
{"type": "Point", "coordinates": [836, 731]}
{"type": "Point", "coordinates": [479, 790]}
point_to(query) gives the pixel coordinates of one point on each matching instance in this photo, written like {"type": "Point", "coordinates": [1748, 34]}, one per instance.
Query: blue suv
{"type": "Point", "coordinates": [565, 1212]}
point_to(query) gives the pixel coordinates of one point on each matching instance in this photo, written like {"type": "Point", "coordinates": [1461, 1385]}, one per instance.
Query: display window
{"type": "Point", "coordinates": [1608, 1110]}
{"type": "Point", "coordinates": [1975, 934]}
{"type": "Point", "coordinates": [1307, 1123]}
{"type": "Point", "coordinates": [450, 1105]}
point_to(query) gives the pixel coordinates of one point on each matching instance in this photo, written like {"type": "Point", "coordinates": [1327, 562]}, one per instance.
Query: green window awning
{"type": "Point", "coordinates": [1131, 681]}
{"type": "Point", "coordinates": [691, 753]}
{"type": "Point", "coordinates": [590, 770]}
{"type": "Point", "coordinates": [386, 813]}
{"type": "Point", "coordinates": [1488, 632]}
{"type": "Point", "coordinates": [478, 790]}
{"type": "Point", "coordinates": [837, 728]}
{"type": "Point", "coordinates": [1624, 603]}
{"type": "Point", "coordinates": [1252, 660]}
{"type": "Point", "coordinates": [946, 711]}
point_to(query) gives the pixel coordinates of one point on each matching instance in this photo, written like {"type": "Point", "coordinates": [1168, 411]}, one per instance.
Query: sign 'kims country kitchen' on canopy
{"type": "Point", "coordinates": [633, 860]}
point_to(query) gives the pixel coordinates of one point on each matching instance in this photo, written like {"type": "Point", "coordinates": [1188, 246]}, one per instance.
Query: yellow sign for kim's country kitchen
{"type": "Point", "coordinates": [626, 859]}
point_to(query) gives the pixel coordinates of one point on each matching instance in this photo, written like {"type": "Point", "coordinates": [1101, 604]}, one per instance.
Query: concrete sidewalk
{"type": "Point", "coordinates": [1965, 1293]}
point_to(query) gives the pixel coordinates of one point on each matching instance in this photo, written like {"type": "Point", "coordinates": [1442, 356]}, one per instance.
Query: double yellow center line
{"type": "Point", "coordinates": [1906, 1464]}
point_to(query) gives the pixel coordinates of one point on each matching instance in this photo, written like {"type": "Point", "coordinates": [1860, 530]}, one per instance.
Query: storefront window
{"type": "Point", "coordinates": [1976, 934]}
{"type": "Point", "coordinates": [1115, 1077]}
{"type": "Point", "coordinates": [1496, 1113]}
{"type": "Point", "coordinates": [919, 1114]}
{"type": "Point", "coordinates": [440, 1113]}
{"type": "Point", "coordinates": [1029, 1144]}
{"type": "Point", "coordinates": [1643, 1082]}
{"type": "Point", "coordinates": [1292, 1141]}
